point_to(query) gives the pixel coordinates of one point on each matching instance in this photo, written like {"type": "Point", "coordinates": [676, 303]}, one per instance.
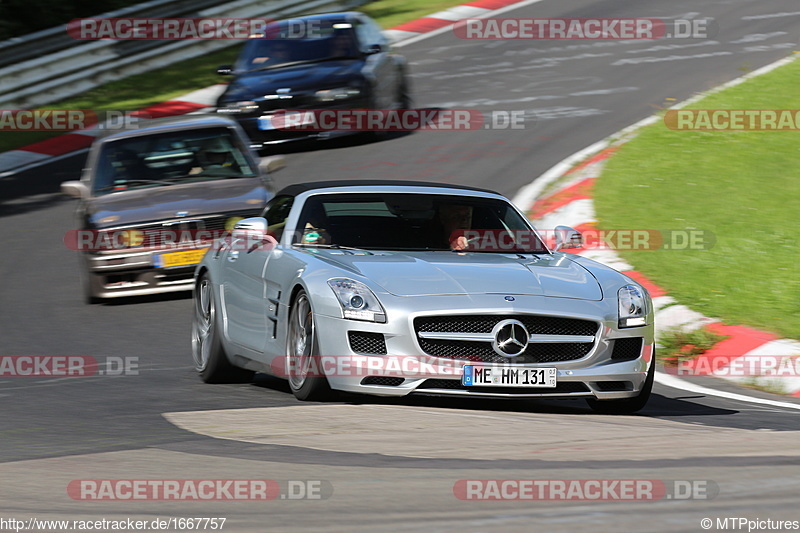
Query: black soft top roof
{"type": "Point", "coordinates": [298, 188]}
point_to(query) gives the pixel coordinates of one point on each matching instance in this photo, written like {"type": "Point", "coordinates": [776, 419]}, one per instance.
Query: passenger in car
{"type": "Point", "coordinates": [455, 219]}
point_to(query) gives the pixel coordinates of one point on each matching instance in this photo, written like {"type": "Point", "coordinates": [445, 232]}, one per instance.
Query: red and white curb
{"type": "Point", "coordinates": [443, 21]}
{"type": "Point", "coordinates": [733, 358]}
{"type": "Point", "coordinates": [31, 154]}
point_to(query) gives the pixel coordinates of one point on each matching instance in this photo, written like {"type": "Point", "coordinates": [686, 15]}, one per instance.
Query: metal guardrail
{"type": "Point", "coordinates": [52, 40]}
{"type": "Point", "coordinates": [69, 67]}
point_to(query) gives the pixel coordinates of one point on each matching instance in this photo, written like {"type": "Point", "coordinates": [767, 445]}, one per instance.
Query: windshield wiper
{"type": "Point", "coordinates": [331, 246]}
{"type": "Point", "coordinates": [135, 182]}
{"type": "Point", "coordinates": [289, 64]}
{"type": "Point", "coordinates": [302, 62]}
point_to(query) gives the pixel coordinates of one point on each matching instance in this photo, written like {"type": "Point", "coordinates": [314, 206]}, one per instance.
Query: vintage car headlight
{"type": "Point", "coordinates": [340, 93]}
{"type": "Point", "coordinates": [357, 300]}
{"type": "Point", "coordinates": [632, 307]}
{"type": "Point", "coordinates": [246, 106]}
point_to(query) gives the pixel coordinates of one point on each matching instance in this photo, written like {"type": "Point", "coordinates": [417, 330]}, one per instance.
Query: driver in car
{"type": "Point", "coordinates": [214, 159]}
{"type": "Point", "coordinates": [455, 219]}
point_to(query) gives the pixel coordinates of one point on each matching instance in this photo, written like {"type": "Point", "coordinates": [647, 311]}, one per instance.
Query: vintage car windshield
{"type": "Point", "coordinates": [280, 47]}
{"type": "Point", "coordinates": [402, 221]}
{"type": "Point", "coordinates": [168, 158]}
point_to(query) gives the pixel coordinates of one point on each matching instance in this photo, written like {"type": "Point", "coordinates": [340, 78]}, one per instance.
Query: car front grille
{"type": "Point", "coordinates": [565, 387]}
{"type": "Point", "coordinates": [382, 380]}
{"type": "Point", "coordinates": [611, 386]}
{"type": "Point", "coordinates": [176, 232]}
{"type": "Point", "coordinates": [538, 325]}
{"type": "Point", "coordinates": [482, 351]}
{"type": "Point", "coordinates": [627, 349]}
{"type": "Point", "coordinates": [364, 342]}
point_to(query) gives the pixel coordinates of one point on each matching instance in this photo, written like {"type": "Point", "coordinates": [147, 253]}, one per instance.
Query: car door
{"type": "Point", "coordinates": [244, 294]}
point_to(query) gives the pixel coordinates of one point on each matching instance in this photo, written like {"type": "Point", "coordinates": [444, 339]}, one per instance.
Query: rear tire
{"type": "Point", "coordinates": [210, 360]}
{"type": "Point", "coordinates": [627, 406]}
{"type": "Point", "coordinates": [306, 379]}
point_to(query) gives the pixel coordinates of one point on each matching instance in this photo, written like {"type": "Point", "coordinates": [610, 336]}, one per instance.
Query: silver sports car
{"type": "Point", "coordinates": [396, 288]}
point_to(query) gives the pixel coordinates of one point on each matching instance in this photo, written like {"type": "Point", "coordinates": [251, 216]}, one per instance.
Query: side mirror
{"type": "Point", "coordinates": [374, 49]}
{"type": "Point", "coordinates": [254, 228]}
{"type": "Point", "coordinates": [567, 237]}
{"type": "Point", "coordinates": [225, 70]}
{"type": "Point", "coordinates": [272, 164]}
{"type": "Point", "coordinates": [76, 189]}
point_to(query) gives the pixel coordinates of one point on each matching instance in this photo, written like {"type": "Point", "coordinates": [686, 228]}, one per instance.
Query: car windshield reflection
{"type": "Point", "coordinates": [168, 158]}
{"type": "Point", "coordinates": [275, 52]}
{"type": "Point", "coordinates": [415, 222]}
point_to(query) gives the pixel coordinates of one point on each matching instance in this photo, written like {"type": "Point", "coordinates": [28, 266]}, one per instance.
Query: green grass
{"type": "Point", "coordinates": [175, 80]}
{"type": "Point", "coordinates": [676, 345]}
{"type": "Point", "coordinates": [391, 13]}
{"type": "Point", "coordinates": [136, 92]}
{"type": "Point", "coordinates": [744, 187]}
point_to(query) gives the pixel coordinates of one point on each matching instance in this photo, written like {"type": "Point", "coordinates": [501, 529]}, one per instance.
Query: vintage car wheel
{"type": "Point", "coordinates": [628, 405]}
{"type": "Point", "coordinates": [209, 358]}
{"type": "Point", "coordinates": [302, 352]}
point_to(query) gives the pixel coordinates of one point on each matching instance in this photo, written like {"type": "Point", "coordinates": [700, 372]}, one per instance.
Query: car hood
{"type": "Point", "coordinates": [445, 273]}
{"type": "Point", "coordinates": [163, 203]}
{"type": "Point", "coordinates": [312, 76]}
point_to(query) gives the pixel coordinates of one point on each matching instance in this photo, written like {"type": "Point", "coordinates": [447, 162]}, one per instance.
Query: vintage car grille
{"type": "Point", "coordinates": [155, 233]}
{"type": "Point", "coordinates": [482, 351]}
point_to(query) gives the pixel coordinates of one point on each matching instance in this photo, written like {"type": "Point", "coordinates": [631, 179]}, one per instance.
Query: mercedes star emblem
{"type": "Point", "coordinates": [510, 338]}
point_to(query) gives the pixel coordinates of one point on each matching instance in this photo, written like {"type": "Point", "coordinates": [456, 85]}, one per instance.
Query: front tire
{"type": "Point", "coordinates": [302, 353]}
{"type": "Point", "coordinates": [210, 360]}
{"type": "Point", "coordinates": [627, 406]}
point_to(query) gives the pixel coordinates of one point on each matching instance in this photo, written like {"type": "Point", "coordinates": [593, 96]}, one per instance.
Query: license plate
{"type": "Point", "coordinates": [176, 259]}
{"type": "Point", "coordinates": [508, 376]}
{"type": "Point", "coordinates": [286, 120]}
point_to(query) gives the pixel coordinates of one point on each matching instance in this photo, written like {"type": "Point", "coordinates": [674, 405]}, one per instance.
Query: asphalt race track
{"type": "Point", "coordinates": [392, 465]}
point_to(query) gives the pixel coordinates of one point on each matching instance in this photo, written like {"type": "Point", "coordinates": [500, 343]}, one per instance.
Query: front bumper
{"type": "Point", "coordinates": [596, 375]}
{"type": "Point", "coordinates": [264, 137]}
{"type": "Point", "coordinates": [122, 274]}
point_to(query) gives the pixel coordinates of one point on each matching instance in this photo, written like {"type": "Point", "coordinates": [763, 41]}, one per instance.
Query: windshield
{"type": "Point", "coordinates": [280, 47]}
{"type": "Point", "coordinates": [414, 222]}
{"type": "Point", "coordinates": [168, 158]}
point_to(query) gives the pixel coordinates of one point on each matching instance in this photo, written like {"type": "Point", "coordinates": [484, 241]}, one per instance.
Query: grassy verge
{"type": "Point", "coordinates": [169, 82]}
{"type": "Point", "coordinates": [742, 188]}
{"type": "Point", "coordinates": [676, 346]}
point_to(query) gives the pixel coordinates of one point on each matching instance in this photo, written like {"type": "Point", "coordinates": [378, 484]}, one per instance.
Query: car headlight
{"type": "Point", "coordinates": [340, 93]}
{"type": "Point", "coordinates": [247, 106]}
{"type": "Point", "coordinates": [357, 300]}
{"type": "Point", "coordinates": [632, 307]}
